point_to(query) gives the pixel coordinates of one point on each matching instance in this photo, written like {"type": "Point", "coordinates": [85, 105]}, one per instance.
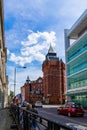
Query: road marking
{"type": "Point", "coordinates": [78, 127]}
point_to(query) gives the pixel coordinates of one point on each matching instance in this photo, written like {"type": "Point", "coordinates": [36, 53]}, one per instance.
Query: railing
{"type": "Point", "coordinates": [24, 118]}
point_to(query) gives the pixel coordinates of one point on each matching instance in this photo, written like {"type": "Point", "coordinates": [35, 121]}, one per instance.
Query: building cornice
{"type": "Point", "coordinates": [76, 90]}
{"type": "Point", "coordinates": [76, 42]}
{"type": "Point", "coordinates": [79, 25]}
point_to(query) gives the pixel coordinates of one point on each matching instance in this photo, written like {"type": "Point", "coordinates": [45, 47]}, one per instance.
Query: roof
{"type": "Point", "coordinates": [79, 26]}
{"type": "Point", "coordinates": [50, 49]}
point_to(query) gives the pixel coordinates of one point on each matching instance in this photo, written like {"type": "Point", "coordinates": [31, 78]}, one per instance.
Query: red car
{"type": "Point", "coordinates": [71, 109]}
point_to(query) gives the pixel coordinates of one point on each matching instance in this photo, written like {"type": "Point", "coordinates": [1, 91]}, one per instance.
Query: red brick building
{"type": "Point", "coordinates": [51, 88]}
{"type": "Point", "coordinates": [32, 91]}
{"type": "Point", "coordinates": [53, 78]}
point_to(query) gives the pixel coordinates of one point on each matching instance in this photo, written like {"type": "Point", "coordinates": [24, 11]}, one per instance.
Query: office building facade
{"type": "Point", "coordinates": [76, 60]}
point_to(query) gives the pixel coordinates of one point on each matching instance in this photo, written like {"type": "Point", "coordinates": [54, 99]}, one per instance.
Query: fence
{"type": "Point", "coordinates": [24, 118]}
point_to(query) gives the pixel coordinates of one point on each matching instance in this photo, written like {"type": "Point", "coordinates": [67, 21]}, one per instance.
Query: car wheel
{"type": "Point", "coordinates": [69, 114]}
{"type": "Point", "coordinates": [58, 112]}
{"type": "Point", "coordinates": [82, 115]}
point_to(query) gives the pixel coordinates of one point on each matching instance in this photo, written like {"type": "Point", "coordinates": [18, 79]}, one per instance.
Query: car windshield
{"type": "Point", "coordinates": [38, 103]}
{"type": "Point", "coordinates": [76, 106]}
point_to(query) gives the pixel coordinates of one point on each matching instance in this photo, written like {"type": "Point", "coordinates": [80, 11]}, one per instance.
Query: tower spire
{"type": "Point", "coordinates": [50, 49]}
{"type": "Point", "coordinates": [28, 79]}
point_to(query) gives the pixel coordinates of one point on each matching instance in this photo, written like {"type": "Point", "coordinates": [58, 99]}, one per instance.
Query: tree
{"type": "Point", "coordinates": [10, 97]}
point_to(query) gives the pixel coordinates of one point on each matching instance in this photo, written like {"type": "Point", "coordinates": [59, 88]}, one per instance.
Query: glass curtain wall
{"type": "Point", "coordinates": [77, 70]}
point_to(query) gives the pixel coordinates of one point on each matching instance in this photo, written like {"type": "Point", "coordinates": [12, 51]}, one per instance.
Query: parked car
{"type": "Point", "coordinates": [24, 104]}
{"type": "Point", "coordinates": [38, 104]}
{"type": "Point", "coordinates": [71, 109]}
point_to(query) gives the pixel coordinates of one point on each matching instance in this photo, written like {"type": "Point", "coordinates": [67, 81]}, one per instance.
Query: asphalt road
{"type": "Point", "coordinates": [51, 113]}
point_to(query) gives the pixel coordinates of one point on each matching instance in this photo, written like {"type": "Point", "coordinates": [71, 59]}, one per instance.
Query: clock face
{"type": "Point", "coordinates": [40, 81]}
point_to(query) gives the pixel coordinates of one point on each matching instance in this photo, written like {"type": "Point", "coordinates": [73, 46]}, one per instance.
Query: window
{"type": "Point", "coordinates": [40, 81]}
{"type": "Point", "coordinates": [76, 106]}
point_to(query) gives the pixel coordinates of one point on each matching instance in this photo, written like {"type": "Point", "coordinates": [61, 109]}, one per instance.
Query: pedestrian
{"type": "Point", "coordinates": [34, 117]}
{"type": "Point", "coordinates": [29, 107]}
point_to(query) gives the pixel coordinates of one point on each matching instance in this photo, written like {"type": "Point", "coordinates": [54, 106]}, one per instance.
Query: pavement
{"type": "Point", "coordinates": [56, 106]}
{"type": "Point", "coordinates": [51, 106]}
{"type": "Point", "coordinates": [6, 120]}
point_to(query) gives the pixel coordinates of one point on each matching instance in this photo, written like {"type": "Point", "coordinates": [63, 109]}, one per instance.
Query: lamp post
{"type": "Point", "coordinates": [15, 77]}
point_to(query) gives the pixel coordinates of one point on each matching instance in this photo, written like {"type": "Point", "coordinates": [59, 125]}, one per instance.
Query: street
{"type": "Point", "coordinates": [51, 113]}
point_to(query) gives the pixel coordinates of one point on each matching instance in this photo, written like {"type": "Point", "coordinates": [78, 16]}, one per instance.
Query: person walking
{"type": "Point", "coordinates": [29, 107]}
{"type": "Point", "coordinates": [34, 117]}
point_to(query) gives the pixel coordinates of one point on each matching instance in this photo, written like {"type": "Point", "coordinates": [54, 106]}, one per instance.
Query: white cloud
{"type": "Point", "coordinates": [19, 59]}
{"type": "Point", "coordinates": [42, 16]}
{"type": "Point", "coordinates": [37, 37]}
{"type": "Point", "coordinates": [34, 48]}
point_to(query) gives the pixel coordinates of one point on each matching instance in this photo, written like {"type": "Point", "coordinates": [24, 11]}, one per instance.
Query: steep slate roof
{"type": "Point", "coordinates": [50, 49]}
{"type": "Point", "coordinates": [51, 55]}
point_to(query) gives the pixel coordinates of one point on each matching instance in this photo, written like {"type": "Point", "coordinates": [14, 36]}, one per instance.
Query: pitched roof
{"type": "Point", "coordinates": [50, 49]}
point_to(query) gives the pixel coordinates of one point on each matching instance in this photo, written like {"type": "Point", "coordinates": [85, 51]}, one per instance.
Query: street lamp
{"type": "Point", "coordinates": [15, 77]}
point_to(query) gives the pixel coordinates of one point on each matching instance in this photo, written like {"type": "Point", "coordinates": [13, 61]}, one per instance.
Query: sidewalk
{"type": "Point", "coordinates": [56, 106]}
{"type": "Point", "coordinates": [6, 120]}
{"type": "Point", "coordinates": [51, 106]}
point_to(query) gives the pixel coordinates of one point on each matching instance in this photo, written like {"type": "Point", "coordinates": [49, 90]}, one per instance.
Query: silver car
{"type": "Point", "coordinates": [38, 104]}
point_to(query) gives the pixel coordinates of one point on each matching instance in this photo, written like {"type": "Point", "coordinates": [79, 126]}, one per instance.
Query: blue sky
{"type": "Point", "coordinates": [30, 27]}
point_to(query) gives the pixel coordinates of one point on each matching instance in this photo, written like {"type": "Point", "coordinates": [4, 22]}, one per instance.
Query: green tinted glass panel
{"type": "Point", "coordinates": [77, 65]}
{"type": "Point", "coordinates": [77, 49]}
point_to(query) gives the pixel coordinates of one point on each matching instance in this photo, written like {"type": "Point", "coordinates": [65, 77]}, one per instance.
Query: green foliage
{"type": "Point", "coordinates": [10, 96]}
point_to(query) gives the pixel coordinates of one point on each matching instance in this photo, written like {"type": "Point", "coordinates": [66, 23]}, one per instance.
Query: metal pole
{"type": "Point", "coordinates": [14, 80]}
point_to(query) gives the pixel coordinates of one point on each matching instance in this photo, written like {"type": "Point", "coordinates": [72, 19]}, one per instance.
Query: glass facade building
{"type": "Point", "coordinates": [76, 61]}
